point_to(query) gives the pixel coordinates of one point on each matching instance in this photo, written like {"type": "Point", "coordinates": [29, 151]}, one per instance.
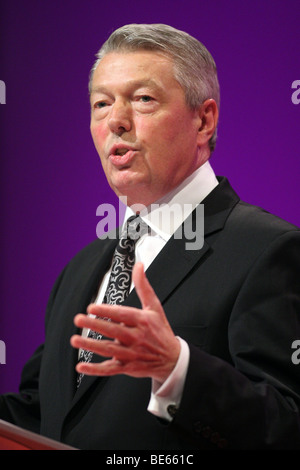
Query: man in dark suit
{"type": "Point", "coordinates": [198, 356]}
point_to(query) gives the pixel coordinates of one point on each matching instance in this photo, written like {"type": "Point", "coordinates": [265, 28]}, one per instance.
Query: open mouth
{"type": "Point", "coordinates": [122, 156]}
{"type": "Point", "coordinates": [121, 151]}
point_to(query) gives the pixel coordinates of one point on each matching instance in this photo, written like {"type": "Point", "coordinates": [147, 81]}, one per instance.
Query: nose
{"type": "Point", "coordinates": [120, 118]}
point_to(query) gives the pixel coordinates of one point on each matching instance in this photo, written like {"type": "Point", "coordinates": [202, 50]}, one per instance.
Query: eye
{"type": "Point", "coordinates": [146, 99]}
{"type": "Point", "coordinates": [100, 104]}
{"type": "Point", "coordinates": [145, 104]}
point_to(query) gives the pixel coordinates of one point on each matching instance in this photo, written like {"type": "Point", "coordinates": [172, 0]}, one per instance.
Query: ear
{"type": "Point", "coordinates": [208, 116]}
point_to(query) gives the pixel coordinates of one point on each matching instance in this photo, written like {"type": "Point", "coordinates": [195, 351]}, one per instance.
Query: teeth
{"type": "Point", "coordinates": [121, 151]}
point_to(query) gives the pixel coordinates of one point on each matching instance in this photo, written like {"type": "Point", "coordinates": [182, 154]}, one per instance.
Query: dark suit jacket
{"type": "Point", "coordinates": [236, 301]}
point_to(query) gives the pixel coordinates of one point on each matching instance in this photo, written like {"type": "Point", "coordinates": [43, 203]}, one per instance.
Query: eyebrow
{"type": "Point", "coordinates": [131, 84]}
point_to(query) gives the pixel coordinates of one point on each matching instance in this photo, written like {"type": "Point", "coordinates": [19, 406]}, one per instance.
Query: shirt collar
{"type": "Point", "coordinates": [166, 215]}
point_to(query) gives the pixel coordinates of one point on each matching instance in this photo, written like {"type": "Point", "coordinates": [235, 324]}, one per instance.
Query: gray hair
{"type": "Point", "coordinates": [194, 67]}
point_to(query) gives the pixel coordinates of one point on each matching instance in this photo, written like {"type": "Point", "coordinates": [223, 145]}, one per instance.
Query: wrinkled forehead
{"type": "Point", "coordinates": [140, 59]}
{"type": "Point", "coordinates": [146, 67]}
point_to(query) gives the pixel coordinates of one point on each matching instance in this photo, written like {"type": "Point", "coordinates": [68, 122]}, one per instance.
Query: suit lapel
{"type": "Point", "coordinates": [177, 258]}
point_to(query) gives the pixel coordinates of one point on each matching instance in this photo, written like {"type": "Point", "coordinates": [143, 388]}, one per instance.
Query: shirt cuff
{"type": "Point", "coordinates": [165, 397]}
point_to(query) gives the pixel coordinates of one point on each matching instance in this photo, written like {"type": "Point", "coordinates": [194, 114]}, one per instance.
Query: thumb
{"type": "Point", "coordinates": [145, 292]}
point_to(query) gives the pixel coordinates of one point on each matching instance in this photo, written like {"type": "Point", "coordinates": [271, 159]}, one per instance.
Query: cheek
{"type": "Point", "coordinates": [99, 135]}
{"type": "Point", "coordinates": [156, 134]}
{"type": "Point", "coordinates": [160, 139]}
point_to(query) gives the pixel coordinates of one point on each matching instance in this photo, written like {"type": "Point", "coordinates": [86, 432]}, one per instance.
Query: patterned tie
{"type": "Point", "coordinates": [120, 278]}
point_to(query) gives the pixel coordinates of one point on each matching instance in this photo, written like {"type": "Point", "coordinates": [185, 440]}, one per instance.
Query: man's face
{"type": "Point", "coordinates": [142, 128]}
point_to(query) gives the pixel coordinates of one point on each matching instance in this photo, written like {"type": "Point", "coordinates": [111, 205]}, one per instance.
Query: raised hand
{"type": "Point", "coordinates": [142, 342]}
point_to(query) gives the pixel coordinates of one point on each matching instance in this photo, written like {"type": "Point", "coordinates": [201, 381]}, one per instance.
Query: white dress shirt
{"type": "Point", "coordinates": [163, 223]}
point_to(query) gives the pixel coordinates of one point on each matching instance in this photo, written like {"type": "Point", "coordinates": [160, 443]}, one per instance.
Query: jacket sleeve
{"type": "Point", "coordinates": [253, 402]}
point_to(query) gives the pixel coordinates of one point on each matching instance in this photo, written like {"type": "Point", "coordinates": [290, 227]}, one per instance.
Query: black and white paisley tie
{"type": "Point", "coordinates": [120, 278]}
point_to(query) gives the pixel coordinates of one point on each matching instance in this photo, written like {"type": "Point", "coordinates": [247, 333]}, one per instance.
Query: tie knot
{"type": "Point", "coordinates": [135, 228]}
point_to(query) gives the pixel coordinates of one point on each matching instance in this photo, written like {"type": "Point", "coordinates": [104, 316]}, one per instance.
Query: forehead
{"type": "Point", "coordinates": [148, 66]}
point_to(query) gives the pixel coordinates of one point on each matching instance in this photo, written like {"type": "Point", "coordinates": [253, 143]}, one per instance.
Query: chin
{"type": "Point", "coordinates": [127, 183]}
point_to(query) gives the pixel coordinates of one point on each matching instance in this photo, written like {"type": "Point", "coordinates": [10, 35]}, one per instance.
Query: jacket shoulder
{"type": "Point", "coordinates": [257, 220]}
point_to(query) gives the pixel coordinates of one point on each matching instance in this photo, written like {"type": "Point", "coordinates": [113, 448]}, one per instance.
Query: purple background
{"type": "Point", "coordinates": [51, 178]}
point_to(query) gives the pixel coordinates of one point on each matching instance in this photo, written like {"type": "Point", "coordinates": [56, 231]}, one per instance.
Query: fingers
{"type": "Point", "coordinates": [142, 342]}
{"type": "Point", "coordinates": [123, 360]}
{"type": "Point", "coordinates": [108, 348]}
{"type": "Point", "coordinates": [104, 312]}
{"type": "Point", "coordinates": [113, 367]}
{"type": "Point", "coordinates": [111, 329]}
